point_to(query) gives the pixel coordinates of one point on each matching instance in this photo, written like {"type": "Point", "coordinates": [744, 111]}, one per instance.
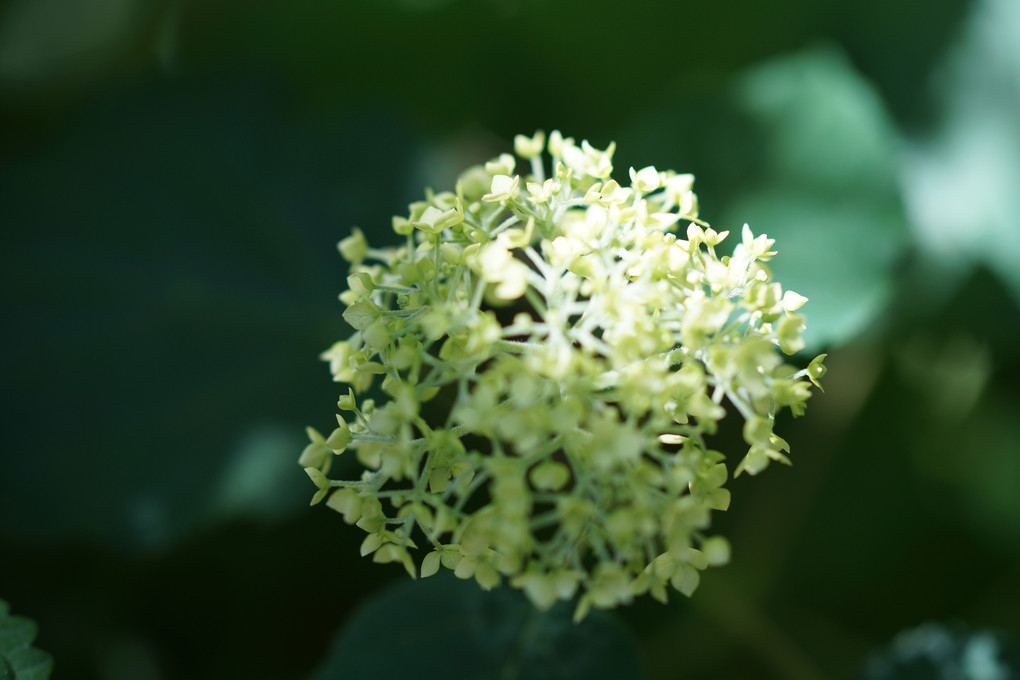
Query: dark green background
{"type": "Point", "coordinates": [174, 177]}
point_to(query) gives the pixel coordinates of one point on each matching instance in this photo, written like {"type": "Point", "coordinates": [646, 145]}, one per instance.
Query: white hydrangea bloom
{"type": "Point", "coordinates": [554, 363]}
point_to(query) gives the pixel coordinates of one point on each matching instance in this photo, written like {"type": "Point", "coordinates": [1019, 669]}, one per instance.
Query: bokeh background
{"type": "Point", "coordinates": [175, 174]}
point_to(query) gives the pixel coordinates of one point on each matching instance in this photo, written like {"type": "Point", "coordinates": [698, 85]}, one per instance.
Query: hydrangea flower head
{"type": "Point", "coordinates": [553, 355]}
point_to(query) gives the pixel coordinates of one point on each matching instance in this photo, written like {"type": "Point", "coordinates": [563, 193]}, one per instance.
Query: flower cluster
{"type": "Point", "coordinates": [544, 358]}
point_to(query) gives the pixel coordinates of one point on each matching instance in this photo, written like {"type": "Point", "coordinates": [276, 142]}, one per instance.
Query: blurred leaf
{"type": "Point", "coordinates": [30, 664]}
{"type": "Point", "coordinates": [935, 652]}
{"type": "Point", "coordinates": [18, 659]}
{"type": "Point", "coordinates": [961, 182]}
{"type": "Point", "coordinates": [15, 631]}
{"type": "Point", "coordinates": [949, 374]}
{"type": "Point", "coordinates": [827, 129]}
{"type": "Point", "coordinates": [45, 39]}
{"type": "Point", "coordinates": [972, 468]}
{"type": "Point", "coordinates": [959, 400]}
{"type": "Point", "coordinates": [896, 44]}
{"type": "Point", "coordinates": [825, 190]}
{"type": "Point", "coordinates": [258, 480]}
{"type": "Point", "coordinates": [445, 629]}
{"type": "Point", "coordinates": [170, 262]}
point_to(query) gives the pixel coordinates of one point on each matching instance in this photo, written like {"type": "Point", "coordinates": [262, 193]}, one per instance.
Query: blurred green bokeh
{"type": "Point", "coordinates": [174, 176]}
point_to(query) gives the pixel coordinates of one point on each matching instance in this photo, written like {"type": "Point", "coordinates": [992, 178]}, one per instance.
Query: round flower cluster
{"type": "Point", "coordinates": [546, 357]}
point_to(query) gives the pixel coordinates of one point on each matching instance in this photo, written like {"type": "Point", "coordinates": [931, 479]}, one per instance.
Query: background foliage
{"type": "Point", "coordinates": [174, 177]}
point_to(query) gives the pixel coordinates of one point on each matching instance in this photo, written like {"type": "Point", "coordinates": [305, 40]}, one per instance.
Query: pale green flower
{"type": "Point", "coordinates": [529, 147]}
{"type": "Point", "coordinates": [551, 363]}
{"type": "Point", "coordinates": [361, 314]}
{"type": "Point", "coordinates": [354, 248]}
{"type": "Point", "coordinates": [645, 180]}
{"type": "Point", "coordinates": [503, 165]}
{"type": "Point", "coordinates": [321, 483]}
{"type": "Point", "coordinates": [541, 193]}
{"type": "Point", "coordinates": [586, 160]}
{"type": "Point", "coordinates": [434, 220]}
{"type": "Point", "coordinates": [793, 301]}
{"type": "Point", "coordinates": [503, 188]}
{"type": "Point", "coordinates": [317, 454]}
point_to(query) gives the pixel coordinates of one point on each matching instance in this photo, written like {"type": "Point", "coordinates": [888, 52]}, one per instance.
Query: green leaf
{"type": "Point", "coordinates": [960, 181]}
{"type": "Point", "coordinates": [18, 659]}
{"type": "Point", "coordinates": [15, 632]}
{"type": "Point", "coordinates": [444, 628]}
{"type": "Point", "coordinates": [31, 664]}
{"type": "Point", "coordinates": [827, 190]}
